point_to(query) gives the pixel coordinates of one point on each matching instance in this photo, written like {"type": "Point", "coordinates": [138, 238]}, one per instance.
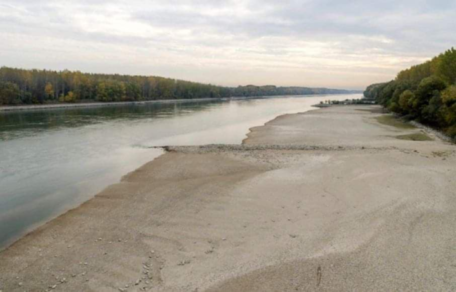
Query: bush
{"type": "Point", "coordinates": [406, 101]}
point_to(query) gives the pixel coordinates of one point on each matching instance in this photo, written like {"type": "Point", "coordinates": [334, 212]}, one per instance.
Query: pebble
{"type": "Point", "coordinates": [183, 263]}
{"type": "Point", "coordinates": [20, 284]}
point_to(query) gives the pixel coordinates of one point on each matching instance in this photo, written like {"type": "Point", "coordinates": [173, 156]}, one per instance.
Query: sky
{"type": "Point", "coordinates": [317, 43]}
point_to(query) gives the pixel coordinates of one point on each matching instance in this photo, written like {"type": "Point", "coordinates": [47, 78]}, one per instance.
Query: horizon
{"type": "Point", "coordinates": [330, 44]}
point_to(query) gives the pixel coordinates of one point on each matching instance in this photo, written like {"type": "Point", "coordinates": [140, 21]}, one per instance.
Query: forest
{"type": "Point", "coordinates": [22, 87]}
{"type": "Point", "coordinates": [425, 92]}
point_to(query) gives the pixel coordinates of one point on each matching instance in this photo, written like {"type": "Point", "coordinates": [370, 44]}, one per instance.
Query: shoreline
{"type": "Point", "coordinates": [304, 196]}
{"type": "Point", "coordinates": [98, 104]}
{"type": "Point", "coordinates": [19, 108]}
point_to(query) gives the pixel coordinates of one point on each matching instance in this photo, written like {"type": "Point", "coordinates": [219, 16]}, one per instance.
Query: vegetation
{"type": "Point", "coordinates": [393, 122]}
{"type": "Point", "coordinates": [19, 86]}
{"type": "Point", "coordinates": [415, 137]}
{"type": "Point", "coordinates": [360, 101]}
{"type": "Point", "coordinates": [425, 92]}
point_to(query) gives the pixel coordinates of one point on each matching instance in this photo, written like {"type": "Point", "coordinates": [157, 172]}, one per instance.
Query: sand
{"type": "Point", "coordinates": [329, 200]}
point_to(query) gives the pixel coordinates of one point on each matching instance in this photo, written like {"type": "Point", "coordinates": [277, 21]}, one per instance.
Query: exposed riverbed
{"type": "Point", "coordinates": [53, 160]}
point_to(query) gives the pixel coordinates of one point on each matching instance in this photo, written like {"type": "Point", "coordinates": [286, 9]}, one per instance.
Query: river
{"type": "Point", "coordinates": [54, 160]}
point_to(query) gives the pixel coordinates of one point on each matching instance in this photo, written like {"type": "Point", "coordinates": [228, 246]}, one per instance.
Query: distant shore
{"type": "Point", "coordinates": [335, 199]}
{"type": "Point", "coordinates": [123, 103]}
{"type": "Point", "coordinates": [98, 104]}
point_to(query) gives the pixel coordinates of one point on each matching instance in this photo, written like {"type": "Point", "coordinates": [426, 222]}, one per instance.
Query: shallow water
{"type": "Point", "coordinates": [53, 160]}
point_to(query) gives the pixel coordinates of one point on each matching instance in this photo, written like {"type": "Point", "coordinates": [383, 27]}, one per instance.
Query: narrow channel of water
{"type": "Point", "coordinates": [53, 160]}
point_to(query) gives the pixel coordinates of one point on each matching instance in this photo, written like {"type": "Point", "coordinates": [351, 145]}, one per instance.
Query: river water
{"type": "Point", "coordinates": [54, 160]}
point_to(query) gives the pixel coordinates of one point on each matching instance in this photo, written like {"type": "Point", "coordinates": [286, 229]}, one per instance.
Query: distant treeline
{"type": "Point", "coordinates": [425, 92]}
{"type": "Point", "coordinates": [18, 86]}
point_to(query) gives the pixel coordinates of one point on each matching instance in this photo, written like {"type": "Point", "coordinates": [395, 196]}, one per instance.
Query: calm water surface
{"type": "Point", "coordinates": [54, 160]}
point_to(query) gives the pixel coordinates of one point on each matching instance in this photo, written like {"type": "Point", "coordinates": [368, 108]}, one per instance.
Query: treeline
{"type": "Point", "coordinates": [425, 92]}
{"type": "Point", "coordinates": [18, 87]}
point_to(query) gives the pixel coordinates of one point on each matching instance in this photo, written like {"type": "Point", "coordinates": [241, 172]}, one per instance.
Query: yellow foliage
{"type": "Point", "coordinates": [70, 97]}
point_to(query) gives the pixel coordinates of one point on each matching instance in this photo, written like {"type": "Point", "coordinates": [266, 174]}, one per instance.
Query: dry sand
{"type": "Point", "coordinates": [328, 200]}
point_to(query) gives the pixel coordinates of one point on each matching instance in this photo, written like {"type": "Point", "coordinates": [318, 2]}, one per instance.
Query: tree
{"type": "Point", "coordinates": [133, 91]}
{"type": "Point", "coordinates": [427, 90]}
{"type": "Point", "coordinates": [405, 101]}
{"type": "Point", "coordinates": [49, 90]}
{"type": "Point", "coordinates": [70, 97]}
{"type": "Point", "coordinates": [39, 86]}
{"type": "Point", "coordinates": [446, 68]}
{"type": "Point", "coordinates": [449, 102]}
{"type": "Point", "coordinates": [9, 94]}
{"type": "Point", "coordinates": [101, 93]}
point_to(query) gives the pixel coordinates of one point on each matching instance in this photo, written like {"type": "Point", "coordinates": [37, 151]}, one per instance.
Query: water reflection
{"type": "Point", "coordinates": [14, 125]}
{"type": "Point", "coordinates": [54, 160]}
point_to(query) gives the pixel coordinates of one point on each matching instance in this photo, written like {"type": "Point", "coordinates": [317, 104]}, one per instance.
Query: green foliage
{"type": "Point", "coordinates": [394, 107]}
{"type": "Point", "coordinates": [446, 67]}
{"type": "Point", "coordinates": [9, 93]}
{"type": "Point", "coordinates": [449, 105]}
{"type": "Point", "coordinates": [392, 121]}
{"type": "Point", "coordinates": [426, 92]}
{"type": "Point", "coordinates": [406, 101]}
{"type": "Point", "coordinates": [427, 89]}
{"type": "Point", "coordinates": [42, 86]}
{"type": "Point", "coordinates": [451, 131]}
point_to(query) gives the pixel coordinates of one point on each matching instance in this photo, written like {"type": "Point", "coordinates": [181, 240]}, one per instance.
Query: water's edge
{"type": "Point", "coordinates": [164, 150]}
{"type": "Point", "coordinates": [42, 223]}
{"type": "Point", "coordinates": [124, 103]}
{"type": "Point", "coordinates": [99, 104]}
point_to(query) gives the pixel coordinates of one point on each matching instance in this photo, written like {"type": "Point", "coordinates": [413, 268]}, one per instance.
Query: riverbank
{"type": "Point", "coordinates": [113, 104]}
{"type": "Point", "coordinates": [98, 104]}
{"type": "Point", "coordinates": [333, 199]}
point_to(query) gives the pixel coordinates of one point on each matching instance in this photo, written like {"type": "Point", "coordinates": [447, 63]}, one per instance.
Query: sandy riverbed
{"type": "Point", "coordinates": [329, 200]}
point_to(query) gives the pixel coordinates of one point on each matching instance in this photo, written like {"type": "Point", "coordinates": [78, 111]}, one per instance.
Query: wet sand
{"type": "Point", "coordinates": [329, 200]}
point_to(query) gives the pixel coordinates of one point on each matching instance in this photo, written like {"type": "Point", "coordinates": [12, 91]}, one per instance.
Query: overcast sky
{"type": "Point", "coordinates": [331, 43]}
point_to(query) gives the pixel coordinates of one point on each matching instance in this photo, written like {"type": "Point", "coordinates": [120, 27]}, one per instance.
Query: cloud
{"type": "Point", "coordinates": [347, 44]}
